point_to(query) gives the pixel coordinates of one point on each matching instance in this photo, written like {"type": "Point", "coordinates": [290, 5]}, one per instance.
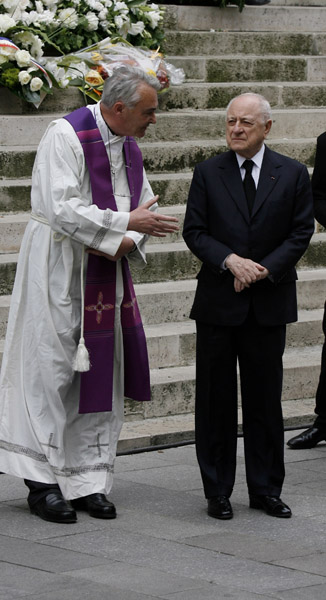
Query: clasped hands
{"type": "Point", "coordinates": [245, 271]}
{"type": "Point", "coordinates": [142, 220]}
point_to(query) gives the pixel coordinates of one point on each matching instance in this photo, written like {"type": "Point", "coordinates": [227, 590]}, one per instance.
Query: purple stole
{"type": "Point", "coordinates": [97, 383]}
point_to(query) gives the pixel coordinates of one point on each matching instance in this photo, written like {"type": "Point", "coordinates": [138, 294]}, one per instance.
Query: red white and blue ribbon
{"type": "Point", "coordinates": [6, 43]}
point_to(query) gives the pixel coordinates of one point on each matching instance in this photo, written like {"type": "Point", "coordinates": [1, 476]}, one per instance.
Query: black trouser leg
{"type": "Point", "coordinates": [261, 373]}
{"type": "Point", "coordinates": [320, 408]}
{"type": "Point", "coordinates": [216, 408]}
{"type": "Point", "coordinates": [38, 490]}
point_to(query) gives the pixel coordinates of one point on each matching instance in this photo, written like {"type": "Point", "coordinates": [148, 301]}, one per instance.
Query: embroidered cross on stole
{"type": "Point", "coordinates": [97, 383]}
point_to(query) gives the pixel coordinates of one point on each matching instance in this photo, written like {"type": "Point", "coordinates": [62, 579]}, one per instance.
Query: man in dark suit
{"type": "Point", "coordinates": [317, 433]}
{"type": "Point", "coordinates": [249, 219]}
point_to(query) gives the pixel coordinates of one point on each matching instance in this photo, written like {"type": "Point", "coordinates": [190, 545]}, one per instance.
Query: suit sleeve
{"type": "Point", "coordinates": [286, 254]}
{"type": "Point", "coordinates": [195, 232]}
{"type": "Point", "coordinates": [319, 181]}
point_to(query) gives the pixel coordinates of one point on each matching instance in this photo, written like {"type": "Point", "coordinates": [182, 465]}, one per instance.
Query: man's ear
{"type": "Point", "coordinates": [119, 107]}
{"type": "Point", "coordinates": [268, 126]}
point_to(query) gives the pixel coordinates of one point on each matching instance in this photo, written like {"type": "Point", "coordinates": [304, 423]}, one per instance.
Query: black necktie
{"type": "Point", "coordinates": [249, 184]}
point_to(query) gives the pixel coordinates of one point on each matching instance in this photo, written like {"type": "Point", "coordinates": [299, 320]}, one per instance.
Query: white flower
{"type": "Point", "coordinates": [49, 3]}
{"type": "Point", "coordinates": [39, 6]}
{"type": "Point", "coordinates": [37, 48]}
{"type": "Point", "coordinates": [9, 4]}
{"type": "Point", "coordinates": [105, 24]}
{"type": "Point", "coordinates": [9, 53]}
{"type": "Point", "coordinates": [24, 77]}
{"type": "Point", "coordinates": [36, 19]}
{"type": "Point", "coordinates": [68, 17]}
{"type": "Point", "coordinates": [102, 15]}
{"type": "Point", "coordinates": [154, 6]}
{"type": "Point", "coordinates": [36, 84]}
{"type": "Point", "coordinates": [5, 23]}
{"type": "Point", "coordinates": [136, 28]}
{"type": "Point", "coordinates": [154, 18]}
{"type": "Point", "coordinates": [120, 6]}
{"type": "Point", "coordinates": [92, 21]}
{"type": "Point", "coordinates": [94, 4]}
{"type": "Point", "coordinates": [24, 38]}
{"type": "Point", "coordinates": [3, 59]}
{"type": "Point", "coordinates": [23, 58]}
{"type": "Point", "coordinates": [107, 3]}
{"type": "Point", "coordinates": [118, 21]}
{"type": "Point", "coordinates": [28, 40]}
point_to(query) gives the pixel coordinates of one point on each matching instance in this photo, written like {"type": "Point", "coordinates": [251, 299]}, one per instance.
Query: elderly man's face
{"type": "Point", "coordinates": [134, 121]}
{"type": "Point", "coordinates": [246, 128]}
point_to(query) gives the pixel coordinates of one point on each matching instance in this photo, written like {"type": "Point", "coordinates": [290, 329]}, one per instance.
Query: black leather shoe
{"type": "Point", "coordinates": [272, 505]}
{"type": "Point", "coordinates": [307, 439]}
{"type": "Point", "coordinates": [256, 2]}
{"type": "Point", "coordinates": [96, 505]}
{"type": "Point", "coordinates": [219, 507]}
{"type": "Point", "coordinates": [53, 507]}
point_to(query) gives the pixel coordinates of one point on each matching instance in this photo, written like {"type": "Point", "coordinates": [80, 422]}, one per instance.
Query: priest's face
{"type": "Point", "coordinates": [134, 121]}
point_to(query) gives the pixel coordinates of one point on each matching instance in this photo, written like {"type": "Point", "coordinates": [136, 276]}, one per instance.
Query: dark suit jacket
{"type": "Point", "coordinates": [217, 223]}
{"type": "Point", "coordinates": [319, 181]}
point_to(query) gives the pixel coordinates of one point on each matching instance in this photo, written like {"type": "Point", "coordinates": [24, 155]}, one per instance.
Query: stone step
{"type": "Point", "coordinates": [12, 227]}
{"type": "Point", "coordinates": [271, 17]}
{"type": "Point", "coordinates": [203, 95]}
{"type": "Point", "coordinates": [173, 300]}
{"type": "Point", "coordinates": [17, 161]}
{"type": "Point", "coordinates": [59, 101]}
{"type": "Point", "coordinates": [178, 125]}
{"type": "Point", "coordinates": [261, 43]}
{"type": "Point", "coordinates": [252, 68]}
{"type": "Point", "coordinates": [169, 261]}
{"type": "Point", "coordinates": [172, 189]}
{"type": "Point", "coordinates": [173, 388]}
{"type": "Point", "coordinates": [174, 344]}
{"type": "Point", "coordinates": [176, 429]}
{"type": "Point", "coordinates": [280, 94]}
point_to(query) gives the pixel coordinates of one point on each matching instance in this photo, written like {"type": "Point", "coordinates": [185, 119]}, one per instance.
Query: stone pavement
{"type": "Point", "coordinates": [163, 545]}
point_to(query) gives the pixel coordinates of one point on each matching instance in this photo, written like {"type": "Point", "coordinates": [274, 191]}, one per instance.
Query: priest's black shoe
{"type": "Point", "coordinates": [307, 439]}
{"type": "Point", "coordinates": [272, 505]}
{"type": "Point", "coordinates": [256, 2]}
{"type": "Point", "coordinates": [53, 507]}
{"type": "Point", "coordinates": [96, 505]}
{"type": "Point", "coordinates": [219, 507]}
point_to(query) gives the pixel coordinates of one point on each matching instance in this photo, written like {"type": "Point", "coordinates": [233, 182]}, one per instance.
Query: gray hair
{"type": "Point", "coordinates": [123, 86]}
{"type": "Point", "coordinates": [265, 106]}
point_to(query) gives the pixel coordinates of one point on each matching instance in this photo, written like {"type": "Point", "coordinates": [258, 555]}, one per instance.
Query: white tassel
{"type": "Point", "coordinates": [81, 361]}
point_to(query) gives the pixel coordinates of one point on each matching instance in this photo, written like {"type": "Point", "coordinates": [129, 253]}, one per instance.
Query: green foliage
{"type": "Point", "coordinates": [9, 77]}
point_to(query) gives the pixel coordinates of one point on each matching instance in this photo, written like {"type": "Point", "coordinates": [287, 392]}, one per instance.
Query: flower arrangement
{"type": "Point", "coordinates": [21, 74]}
{"type": "Point", "coordinates": [89, 68]}
{"type": "Point", "coordinates": [39, 28]}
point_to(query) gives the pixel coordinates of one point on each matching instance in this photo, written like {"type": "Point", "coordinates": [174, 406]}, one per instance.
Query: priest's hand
{"type": "Point", "coordinates": [125, 247]}
{"type": "Point", "coordinates": [144, 220]}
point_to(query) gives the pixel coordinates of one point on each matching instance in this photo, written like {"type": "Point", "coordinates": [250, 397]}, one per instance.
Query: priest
{"type": "Point", "coordinates": [75, 345]}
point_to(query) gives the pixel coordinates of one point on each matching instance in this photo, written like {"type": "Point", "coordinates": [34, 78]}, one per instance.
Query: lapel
{"type": "Point", "coordinates": [231, 177]}
{"type": "Point", "coordinates": [269, 175]}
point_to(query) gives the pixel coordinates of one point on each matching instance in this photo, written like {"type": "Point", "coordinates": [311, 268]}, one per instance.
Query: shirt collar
{"type": "Point", "coordinates": [257, 159]}
{"type": "Point", "coordinates": [104, 129]}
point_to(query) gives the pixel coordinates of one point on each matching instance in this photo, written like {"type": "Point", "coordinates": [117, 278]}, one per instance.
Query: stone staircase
{"type": "Point", "coordinates": [278, 50]}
